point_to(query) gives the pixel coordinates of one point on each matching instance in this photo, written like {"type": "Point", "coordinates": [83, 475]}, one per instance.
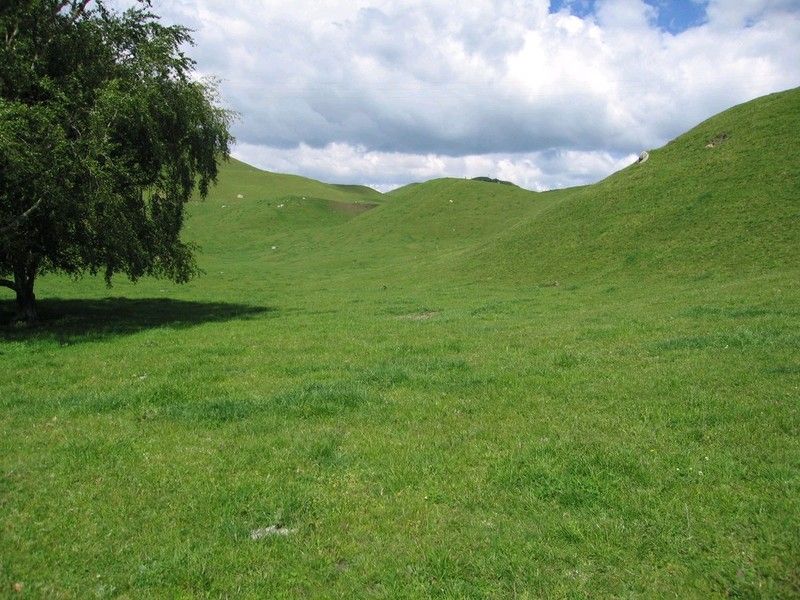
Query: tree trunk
{"type": "Point", "coordinates": [26, 304]}
{"type": "Point", "coordinates": [24, 276]}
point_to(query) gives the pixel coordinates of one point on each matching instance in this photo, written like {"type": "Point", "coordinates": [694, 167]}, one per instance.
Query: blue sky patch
{"type": "Point", "coordinates": [674, 16]}
{"type": "Point", "coordinates": [579, 8]}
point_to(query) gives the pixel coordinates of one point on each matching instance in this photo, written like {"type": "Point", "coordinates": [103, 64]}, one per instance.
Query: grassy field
{"type": "Point", "coordinates": [458, 389]}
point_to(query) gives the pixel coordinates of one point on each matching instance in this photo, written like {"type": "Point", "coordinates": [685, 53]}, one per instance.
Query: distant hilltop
{"type": "Point", "coordinates": [490, 180]}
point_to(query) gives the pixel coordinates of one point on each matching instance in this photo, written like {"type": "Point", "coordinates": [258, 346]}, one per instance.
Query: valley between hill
{"type": "Point", "coordinates": [456, 389]}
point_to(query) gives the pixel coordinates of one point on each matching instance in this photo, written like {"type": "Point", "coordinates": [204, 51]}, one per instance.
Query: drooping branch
{"type": "Point", "coordinates": [20, 219]}
{"type": "Point", "coordinates": [77, 10]}
{"type": "Point", "coordinates": [10, 36]}
{"type": "Point", "coordinates": [9, 284]}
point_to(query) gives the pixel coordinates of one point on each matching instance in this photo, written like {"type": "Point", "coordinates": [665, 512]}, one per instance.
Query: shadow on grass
{"type": "Point", "coordinates": [75, 321]}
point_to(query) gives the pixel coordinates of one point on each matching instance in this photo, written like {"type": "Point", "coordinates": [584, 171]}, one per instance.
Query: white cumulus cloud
{"type": "Point", "coordinates": [384, 92]}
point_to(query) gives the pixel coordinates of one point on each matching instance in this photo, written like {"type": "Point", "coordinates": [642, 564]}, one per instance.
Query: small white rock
{"type": "Point", "coordinates": [263, 532]}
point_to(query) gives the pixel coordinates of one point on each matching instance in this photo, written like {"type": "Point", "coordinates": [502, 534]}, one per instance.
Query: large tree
{"type": "Point", "coordinates": [105, 133]}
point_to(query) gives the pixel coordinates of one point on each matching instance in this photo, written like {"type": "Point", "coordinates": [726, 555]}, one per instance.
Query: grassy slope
{"type": "Point", "coordinates": [433, 222]}
{"type": "Point", "coordinates": [688, 210]}
{"type": "Point", "coordinates": [242, 178]}
{"type": "Point", "coordinates": [228, 227]}
{"type": "Point", "coordinates": [411, 391]}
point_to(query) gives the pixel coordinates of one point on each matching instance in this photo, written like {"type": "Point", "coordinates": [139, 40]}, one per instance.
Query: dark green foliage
{"type": "Point", "coordinates": [491, 180]}
{"type": "Point", "coordinates": [104, 135]}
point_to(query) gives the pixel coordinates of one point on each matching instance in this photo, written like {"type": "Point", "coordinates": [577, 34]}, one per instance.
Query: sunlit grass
{"type": "Point", "coordinates": [425, 412]}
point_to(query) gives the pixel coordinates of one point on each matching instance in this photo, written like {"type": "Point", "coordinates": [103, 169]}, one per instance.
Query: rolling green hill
{"type": "Point", "coordinates": [458, 389]}
{"type": "Point", "coordinates": [240, 178]}
{"type": "Point", "coordinates": [690, 211]}
{"type": "Point", "coordinates": [249, 204]}
{"type": "Point", "coordinates": [723, 198]}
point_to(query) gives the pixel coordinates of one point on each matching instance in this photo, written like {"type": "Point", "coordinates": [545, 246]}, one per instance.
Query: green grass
{"type": "Point", "coordinates": [583, 393]}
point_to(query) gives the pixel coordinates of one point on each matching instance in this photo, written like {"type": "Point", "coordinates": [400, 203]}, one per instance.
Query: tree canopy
{"type": "Point", "coordinates": [105, 133]}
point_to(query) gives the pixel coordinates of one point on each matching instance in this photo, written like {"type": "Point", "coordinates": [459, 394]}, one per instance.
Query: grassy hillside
{"type": "Point", "coordinates": [431, 221]}
{"type": "Point", "coordinates": [250, 204]}
{"type": "Point", "coordinates": [251, 215]}
{"type": "Point", "coordinates": [690, 210]}
{"type": "Point", "coordinates": [467, 391]}
{"type": "Point", "coordinates": [240, 178]}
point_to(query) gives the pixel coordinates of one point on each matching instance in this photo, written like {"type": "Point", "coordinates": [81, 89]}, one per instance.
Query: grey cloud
{"type": "Point", "coordinates": [341, 163]}
{"type": "Point", "coordinates": [496, 78]}
{"type": "Point", "coordinates": [387, 82]}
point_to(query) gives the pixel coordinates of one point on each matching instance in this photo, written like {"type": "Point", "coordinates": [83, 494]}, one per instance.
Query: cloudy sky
{"type": "Point", "coordinates": [543, 93]}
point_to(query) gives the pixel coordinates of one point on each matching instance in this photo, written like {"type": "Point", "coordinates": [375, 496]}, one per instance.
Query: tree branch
{"type": "Point", "coordinates": [9, 284]}
{"type": "Point", "coordinates": [10, 36]}
{"type": "Point", "coordinates": [77, 10]}
{"type": "Point", "coordinates": [18, 221]}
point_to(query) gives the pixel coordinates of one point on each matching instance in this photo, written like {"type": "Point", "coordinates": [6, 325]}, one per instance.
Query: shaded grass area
{"type": "Point", "coordinates": [82, 320]}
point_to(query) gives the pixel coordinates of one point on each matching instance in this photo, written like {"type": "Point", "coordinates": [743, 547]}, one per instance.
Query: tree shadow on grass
{"type": "Point", "coordinates": [75, 321]}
